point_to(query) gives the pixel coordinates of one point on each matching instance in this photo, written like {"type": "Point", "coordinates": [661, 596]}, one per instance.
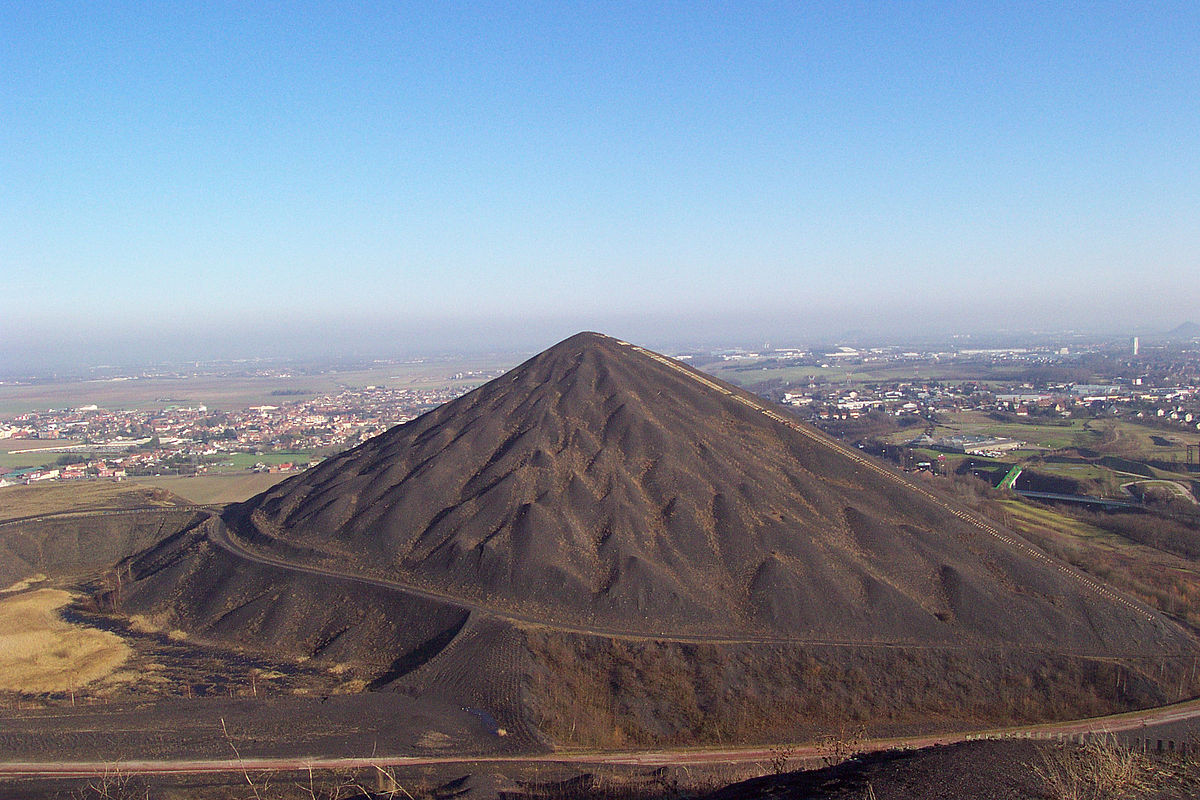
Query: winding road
{"type": "Point", "coordinates": [220, 535]}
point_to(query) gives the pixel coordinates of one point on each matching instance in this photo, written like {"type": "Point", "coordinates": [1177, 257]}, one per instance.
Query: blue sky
{"type": "Point", "coordinates": [175, 170]}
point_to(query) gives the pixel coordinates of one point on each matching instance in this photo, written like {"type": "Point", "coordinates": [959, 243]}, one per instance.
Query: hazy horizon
{"type": "Point", "coordinates": [201, 181]}
{"type": "Point", "coordinates": [345, 343]}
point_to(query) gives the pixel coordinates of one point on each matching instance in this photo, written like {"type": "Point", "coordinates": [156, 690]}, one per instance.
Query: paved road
{"type": "Point", "coordinates": [1133, 723]}
{"type": "Point", "coordinates": [1175, 486]}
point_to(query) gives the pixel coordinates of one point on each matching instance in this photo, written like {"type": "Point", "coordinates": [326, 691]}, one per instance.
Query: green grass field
{"type": "Point", "coordinates": [8, 445]}
{"type": "Point", "coordinates": [1036, 432]}
{"type": "Point", "coordinates": [1083, 472]}
{"type": "Point", "coordinates": [1040, 436]}
{"type": "Point", "coordinates": [1024, 515]}
{"type": "Point", "coordinates": [26, 460]}
{"type": "Point", "coordinates": [242, 461]}
{"type": "Point", "coordinates": [37, 459]}
{"type": "Point", "coordinates": [17, 460]}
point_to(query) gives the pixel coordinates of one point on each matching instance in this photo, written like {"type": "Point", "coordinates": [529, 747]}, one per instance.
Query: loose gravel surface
{"type": "Point", "coordinates": [986, 770]}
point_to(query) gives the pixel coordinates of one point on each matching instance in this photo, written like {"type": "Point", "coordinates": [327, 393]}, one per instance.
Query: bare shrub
{"type": "Point", "coordinates": [114, 784]}
{"type": "Point", "coordinates": [841, 746]}
{"type": "Point", "coordinates": [780, 757]}
{"type": "Point", "coordinates": [388, 785]}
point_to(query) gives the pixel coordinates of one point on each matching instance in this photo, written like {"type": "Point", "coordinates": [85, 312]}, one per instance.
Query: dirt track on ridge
{"type": "Point", "coordinates": [221, 536]}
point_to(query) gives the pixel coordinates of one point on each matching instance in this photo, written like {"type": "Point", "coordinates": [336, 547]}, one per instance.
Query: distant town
{"type": "Point", "coordinates": [93, 442]}
{"type": "Point", "coordinates": [851, 391]}
{"type": "Point", "coordinates": [1132, 379]}
{"type": "Point", "coordinates": [1141, 391]}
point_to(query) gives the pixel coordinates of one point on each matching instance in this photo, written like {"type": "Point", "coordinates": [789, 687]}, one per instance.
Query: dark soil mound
{"type": "Point", "coordinates": [77, 544]}
{"type": "Point", "coordinates": [599, 482]}
{"type": "Point", "coordinates": [982, 770]}
{"type": "Point", "coordinates": [970, 771]}
{"type": "Point", "coordinates": [604, 546]}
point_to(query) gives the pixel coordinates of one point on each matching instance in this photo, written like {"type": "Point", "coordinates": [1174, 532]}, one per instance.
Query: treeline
{"type": "Point", "coordinates": [1175, 534]}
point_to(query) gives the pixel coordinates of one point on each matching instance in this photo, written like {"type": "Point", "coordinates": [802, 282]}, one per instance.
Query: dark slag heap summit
{"type": "Point", "coordinates": [602, 485]}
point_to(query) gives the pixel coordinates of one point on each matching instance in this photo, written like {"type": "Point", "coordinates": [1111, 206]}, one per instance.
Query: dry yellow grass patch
{"type": "Point", "coordinates": [435, 740]}
{"type": "Point", "coordinates": [51, 498]}
{"type": "Point", "coordinates": [40, 652]}
{"type": "Point", "coordinates": [22, 585]}
{"type": "Point", "coordinates": [233, 488]}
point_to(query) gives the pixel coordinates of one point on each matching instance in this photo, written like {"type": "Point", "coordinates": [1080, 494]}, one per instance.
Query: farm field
{"type": "Point", "coordinates": [52, 498]}
{"type": "Point", "coordinates": [9, 457]}
{"type": "Point", "coordinates": [215, 489]}
{"type": "Point", "coordinates": [750, 375]}
{"type": "Point", "coordinates": [236, 392]}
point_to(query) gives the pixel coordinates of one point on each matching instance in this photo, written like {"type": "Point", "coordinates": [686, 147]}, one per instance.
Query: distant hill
{"type": "Point", "coordinates": [629, 550]}
{"type": "Point", "coordinates": [1186, 330]}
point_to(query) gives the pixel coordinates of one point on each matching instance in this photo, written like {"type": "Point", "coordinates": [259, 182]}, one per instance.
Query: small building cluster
{"type": "Point", "coordinates": [93, 442]}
